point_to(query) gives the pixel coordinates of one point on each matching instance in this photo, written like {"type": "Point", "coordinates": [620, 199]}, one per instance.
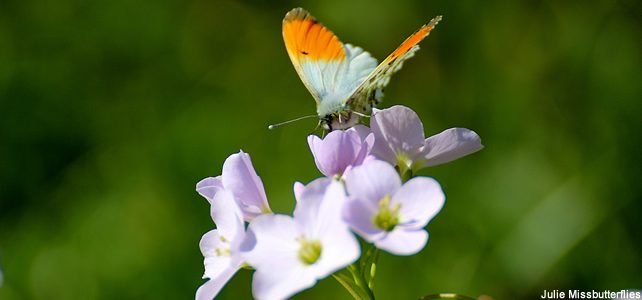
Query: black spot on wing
{"type": "Point", "coordinates": [392, 61]}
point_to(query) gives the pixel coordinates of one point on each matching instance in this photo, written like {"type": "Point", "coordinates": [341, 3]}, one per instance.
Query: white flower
{"type": "Point", "coordinates": [291, 253]}
{"type": "Point", "coordinates": [340, 150]}
{"type": "Point", "coordinates": [387, 213]}
{"type": "Point", "coordinates": [220, 246]}
{"type": "Point", "coordinates": [399, 140]}
{"type": "Point", "coordinates": [240, 178]}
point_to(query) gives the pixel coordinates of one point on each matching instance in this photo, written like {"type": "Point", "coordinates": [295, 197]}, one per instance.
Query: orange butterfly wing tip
{"type": "Point", "coordinates": [415, 38]}
{"type": "Point", "coordinates": [306, 38]}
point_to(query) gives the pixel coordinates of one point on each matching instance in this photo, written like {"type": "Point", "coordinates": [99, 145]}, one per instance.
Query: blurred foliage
{"type": "Point", "coordinates": [111, 111]}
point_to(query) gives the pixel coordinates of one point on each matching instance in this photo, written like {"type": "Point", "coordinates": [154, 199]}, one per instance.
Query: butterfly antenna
{"type": "Point", "coordinates": [275, 126]}
{"type": "Point", "coordinates": [360, 114]}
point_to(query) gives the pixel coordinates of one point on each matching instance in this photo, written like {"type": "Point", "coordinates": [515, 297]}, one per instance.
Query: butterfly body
{"type": "Point", "coordinates": [345, 81]}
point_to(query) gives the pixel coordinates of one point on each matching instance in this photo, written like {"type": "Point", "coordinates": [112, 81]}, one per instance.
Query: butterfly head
{"type": "Point", "coordinates": [338, 120]}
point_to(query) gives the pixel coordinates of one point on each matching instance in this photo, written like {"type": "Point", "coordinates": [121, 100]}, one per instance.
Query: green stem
{"type": "Point", "coordinates": [354, 283]}
{"type": "Point", "coordinates": [360, 280]}
{"type": "Point", "coordinates": [366, 260]}
{"type": "Point", "coordinates": [373, 269]}
{"type": "Point", "coordinates": [406, 175]}
{"type": "Point", "coordinates": [405, 172]}
{"type": "Point", "coordinates": [347, 282]}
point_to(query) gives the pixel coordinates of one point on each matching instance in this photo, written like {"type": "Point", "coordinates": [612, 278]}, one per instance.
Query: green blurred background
{"type": "Point", "coordinates": [111, 111]}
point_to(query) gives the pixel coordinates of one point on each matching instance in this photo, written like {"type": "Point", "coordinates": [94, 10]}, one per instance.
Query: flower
{"type": "Point", "coordinates": [240, 178]}
{"type": "Point", "coordinates": [340, 150]}
{"type": "Point", "coordinates": [209, 186]}
{"type": "Point", "coordinates": [220, 247]}
{"type": "Point", "coordinates": [298, 190]}
{"type": "Point", "coordinates": [291, 253]}
{"type": "Point", "coordinates": [388, 214]}
{"type": "Point", "coordinates": [399, 140]}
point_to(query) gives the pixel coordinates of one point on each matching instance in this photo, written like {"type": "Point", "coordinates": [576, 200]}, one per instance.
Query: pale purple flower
{"type": "Point", "coordinates": [209, 186]}
{"type": "Point", "coordinates": [242, 181]}
{"type": "Point", "coordinates": [298, 190]}
{"type": "Point", "coordinates": [220, 246]}
{"type": "Point", "coordinates": [399, 140]}
{"type": "Point", "coordinates": [291, 253]}
{"type": "Point", "coordinates": [340, 150]}
{"type": "Point", "coordinates": [387, 213]}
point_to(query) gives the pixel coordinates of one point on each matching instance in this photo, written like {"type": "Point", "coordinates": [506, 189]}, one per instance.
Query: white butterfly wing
{"type": "Point", "coordinates": [330, 70]}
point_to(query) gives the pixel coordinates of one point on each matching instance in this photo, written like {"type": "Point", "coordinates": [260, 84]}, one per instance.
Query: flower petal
{"type": "Point", "coordinates": [274, 254]}
{"type": "Point", "coordinates": [298, 189]}
{"type": "Point", "coordinates": [220, 246]}
{"type": "Point", "coordinates": [209, 186]}
{"type": "Point", "coordinates": [372, 181]}
{"type": "Point", "coordinates": [281, 282]}
{"type": "Point", "coordinates": [274, 241]}
{"type": "Point", "coordinates": [421, 199]}
{"type": "Point", "coordinates": [361, 130]}
{"type": "Point", "coordinates": [397, 130]}
{"type": "Point", "coordinates": [359, 215]}
{"type": "Point", "coordinates": [215, 263]}
{"type": "Point", "coordinates": [335, 152]}
{"type": "Point", "coordinates": [403, 242]}
{"type": "Point", "coordinates": [324, 215]}
{"type": "Point", "coordinates": [318, 213]}
{"type": "Point", "coordinates": [212, 287]}
{"type": "Point", "coordinates": [308, 206]}
{"type": "Point", "coordinates": [315, 142]}
{"type": "Point", "coordinates": [366, 148]}
{"type": "Point", "coordinates": [449, 145]}
{"type": "Point", "coordinates": [226, 215]}
{"type": "Point", "coordinates": [241, 179]}
{"type": "Point", "coordinates": [339, 249]}
{"type": "Point", "coordinates": [367, 142]}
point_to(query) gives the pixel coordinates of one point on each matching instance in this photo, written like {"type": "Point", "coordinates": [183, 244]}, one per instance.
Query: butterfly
{"type": "Point", "coordinates": [344, 80]}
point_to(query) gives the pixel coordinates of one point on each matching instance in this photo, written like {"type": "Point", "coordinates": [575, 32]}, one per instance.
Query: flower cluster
{"type": "Point", "coordinates": [369, 189]}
